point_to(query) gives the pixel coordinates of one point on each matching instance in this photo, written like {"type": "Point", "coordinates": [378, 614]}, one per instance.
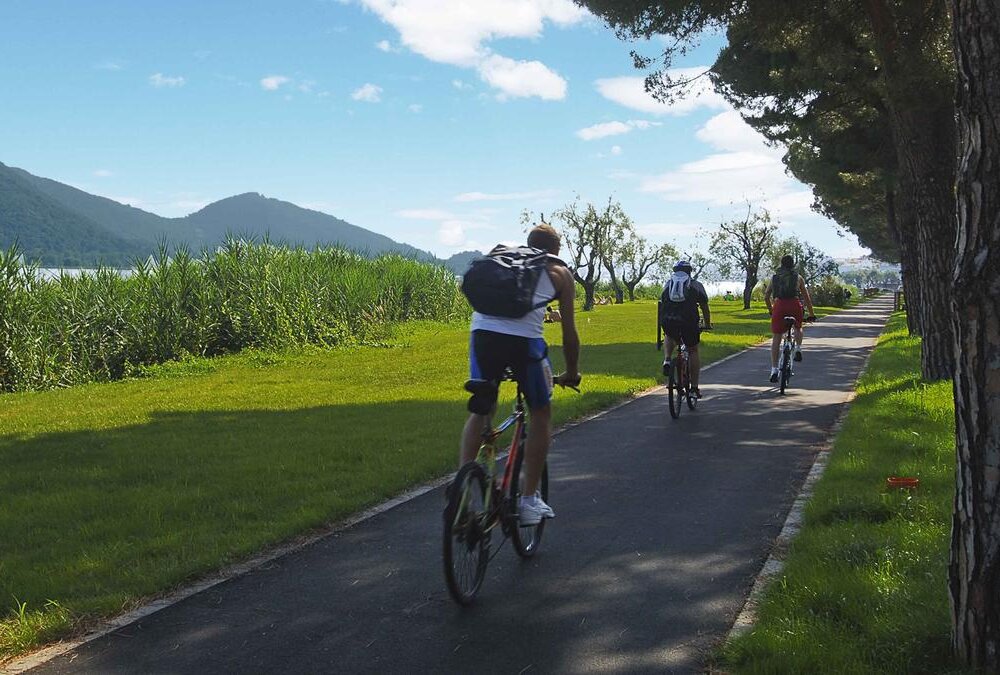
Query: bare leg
{"type": "Point", "coordinates": [775, 348]}
{"type": "Point", "coordinates": [797, 335]}
{"type": "Point", "coordinates": [695, 362]}
{"type": "Point", "coordinates": [537, 447]}
{"type": "Point", "coordinates": [669, 346]}
{"type": "Point", "coordinates": [472, 436]}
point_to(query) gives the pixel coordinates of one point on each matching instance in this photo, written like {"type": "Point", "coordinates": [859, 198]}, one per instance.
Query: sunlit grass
{"type": "Point", "coordinates": [864, 587]}
{"type": "Point", "coordinates": [118, 491]}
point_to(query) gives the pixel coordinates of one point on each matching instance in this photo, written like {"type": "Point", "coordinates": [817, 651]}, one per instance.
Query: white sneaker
{"type": "Point", "coordinates": [531, 510]}
{"type": "Point", "coordinates": [774, 375]}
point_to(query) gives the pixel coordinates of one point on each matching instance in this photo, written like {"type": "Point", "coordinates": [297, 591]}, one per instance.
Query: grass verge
{"type": "Point", "coordinates": [864, 584]}
{"type": "Point", "coordinates": [120, 491]}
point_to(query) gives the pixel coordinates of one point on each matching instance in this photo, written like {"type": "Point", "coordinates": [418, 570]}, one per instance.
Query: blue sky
{"type": "Point", "coordinates": [435, 122]}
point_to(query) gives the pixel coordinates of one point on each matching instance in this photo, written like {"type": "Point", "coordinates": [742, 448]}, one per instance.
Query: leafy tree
{"type": "Point", "coordinates": [810, 262]}
{"type": "Point", "coordinates": [739, 246]}
{"type": "Point", "coordinates": [896, 50]}
{"type": "Point", "coordinates": [616, 230]}
{"type": "Point", "coordinates": [584, 235]}
{"type": "Point", "coordinates": [639, 258]}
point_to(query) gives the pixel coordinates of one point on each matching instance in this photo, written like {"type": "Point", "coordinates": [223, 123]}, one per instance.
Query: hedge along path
{"type": "Point", "coordinates": [119, 492]}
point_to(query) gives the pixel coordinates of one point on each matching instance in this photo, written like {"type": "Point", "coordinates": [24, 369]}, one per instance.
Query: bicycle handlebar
{"type": "Point", "coordinates": [555, 381]}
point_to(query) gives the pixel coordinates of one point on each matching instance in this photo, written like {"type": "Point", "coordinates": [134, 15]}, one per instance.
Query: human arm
{"type": "Point", "coordinates": [804, 292]}
{"type": "Point", "coordinates": [767, 297]}
{"type": "Point", "coordinates": [566, 288]}
{"type": "Point", "coordinates": [706, 313]}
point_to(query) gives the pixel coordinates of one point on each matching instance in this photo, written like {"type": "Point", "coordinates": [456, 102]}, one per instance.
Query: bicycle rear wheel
{"type": "Point", "coordinates": [526, 540]}
{"type": "Point", "coordinates": [674, 389]}
{"type": "Point", "coordinates": [692, 400]}
{"type": "Point", "coordinates": [785, 369]}
{"type": "Point", "coordinates": [466, 537]}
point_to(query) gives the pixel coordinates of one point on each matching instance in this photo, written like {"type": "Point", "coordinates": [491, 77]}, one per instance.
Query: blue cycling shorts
{"type": "Point", "coordinates": [490, 353]}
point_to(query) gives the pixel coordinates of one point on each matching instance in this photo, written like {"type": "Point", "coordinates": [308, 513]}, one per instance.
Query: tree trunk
{"type": "Point", "coordinates": [588, 296]}
{"type": "Point", "coordinates": [898, 214]}
{"type": "Point", "coordinates": [748, 290]}
{"type": "Point", "coordinates": [974, 572]}
{"type": "Point", "coordinates": [631, 291]}
{"type": "Point", "coordinates": [619, 295]}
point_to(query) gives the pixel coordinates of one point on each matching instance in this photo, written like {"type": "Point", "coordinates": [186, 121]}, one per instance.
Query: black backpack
{"type": "Point", "coordinates": [785, 284]}
{"type": "Point", "coordinates": [503, 282]}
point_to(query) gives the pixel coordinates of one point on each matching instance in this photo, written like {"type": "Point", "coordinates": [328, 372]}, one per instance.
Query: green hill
{"type": "Point", "coordinates": [60, 225]}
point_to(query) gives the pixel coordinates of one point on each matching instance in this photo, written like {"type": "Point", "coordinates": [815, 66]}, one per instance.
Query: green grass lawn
{"type": "Point", "coordinates": [113, 493]}
{"type": "Point", "coordinates": [864, 589]}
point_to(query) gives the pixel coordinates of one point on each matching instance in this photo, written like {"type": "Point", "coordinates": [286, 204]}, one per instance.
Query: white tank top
{"type": "Point", "coordinates": [529, 325]}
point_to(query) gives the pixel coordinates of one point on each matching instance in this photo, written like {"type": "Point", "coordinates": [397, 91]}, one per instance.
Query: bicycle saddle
{"type": "Point", "coordinates": [789, 319]}
{"type": "Point", "coordinates": [478, 387]}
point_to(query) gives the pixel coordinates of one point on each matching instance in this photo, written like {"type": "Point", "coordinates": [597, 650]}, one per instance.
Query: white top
{"type": "Point", "coordinates": [529, 325]}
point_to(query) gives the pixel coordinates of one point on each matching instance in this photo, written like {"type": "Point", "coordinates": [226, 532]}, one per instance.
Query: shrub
{"type": "Point", "coordinates": [829, 292]}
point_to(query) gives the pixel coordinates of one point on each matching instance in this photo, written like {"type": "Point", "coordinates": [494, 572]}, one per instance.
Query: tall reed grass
{"type": "Point", "coordinates": [102, 325]}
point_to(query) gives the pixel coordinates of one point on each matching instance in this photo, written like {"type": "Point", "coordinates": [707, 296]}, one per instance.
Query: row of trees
{"type": "Point", "coordinates": [890, 110]}
{"type": "Point", "coordinates": [604, 240]}
{"type": "Point", "coordinates": [601, 240]}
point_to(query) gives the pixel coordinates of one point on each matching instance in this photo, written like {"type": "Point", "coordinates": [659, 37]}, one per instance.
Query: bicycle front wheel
{"type": "Point", "coordinates": [466, 533]}
{"type": "Point", "coordinates": [674, 390]}
{"type": "Point", "coordinates": [526, 540]}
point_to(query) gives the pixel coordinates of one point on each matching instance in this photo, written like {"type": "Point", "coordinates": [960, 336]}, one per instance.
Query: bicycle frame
{"type": "Point", "coordinates": [487, 457]}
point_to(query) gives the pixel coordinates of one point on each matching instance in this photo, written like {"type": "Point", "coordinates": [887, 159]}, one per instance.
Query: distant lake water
{"type": "Point", "coordinates": [53, 273]}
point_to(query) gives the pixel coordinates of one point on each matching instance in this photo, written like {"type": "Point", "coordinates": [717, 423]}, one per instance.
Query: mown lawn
{"type": "Point", "coordinates": [864, 589]}
{"type": "Point", "coordinates": [113, 493]}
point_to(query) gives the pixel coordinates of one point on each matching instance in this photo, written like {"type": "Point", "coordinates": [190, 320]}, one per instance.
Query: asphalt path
{"type": "Point", "coordinates": [661, 528]}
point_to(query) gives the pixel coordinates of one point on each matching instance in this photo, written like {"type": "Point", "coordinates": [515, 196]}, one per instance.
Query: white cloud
{"type": "Point", "coordinates": [383, 45]}
{"type": "Point", "coordinates": [503, 196]}
{"type": "Point", "coordinates": [631, 92]}
{"type": "Point", "coordinates": [602, 130]}
{"type": "Point", "coordinates": [103, 173]}
{"type": "Point", "coordinates": [522, 79]}
{"type": "Point", "coordinates": [159, 80]}
{"type": "Point", "coordinates": [369, 93]}
{"type": "Point", "coordinates": [458, 84]}
{"type": "Point", "coordinates": [616, 149]}
{"type": "Point", "coordinates": [453, 228]}
{"type": "Point", "coordinates": [109, 65]}
{"type": "Point", "coordinates": [273, 82]}
{"type": "Point", "coordinates": [727, 131]}
{"type": "Point", "coordinates": [415, 107]}
{"type": "Point", "coordinates": [456, 32]}
{"type": "Point", "coordinates": [746, 168]}
{"type": "Point", "coordinates": [452, 232]}
{"type": "Point", "coordinates": [616, 128]}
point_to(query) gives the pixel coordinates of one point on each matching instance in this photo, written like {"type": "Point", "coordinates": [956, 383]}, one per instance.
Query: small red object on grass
{"type": "Point", "coordinates": [903, 482]}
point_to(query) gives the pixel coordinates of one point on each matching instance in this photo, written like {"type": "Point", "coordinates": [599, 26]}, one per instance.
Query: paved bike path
{"type": "Point", "coordinates": [662, 526]}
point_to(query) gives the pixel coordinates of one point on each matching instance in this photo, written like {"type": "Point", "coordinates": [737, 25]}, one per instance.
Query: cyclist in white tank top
{"type": "Point", "coordinates": [497, 343]}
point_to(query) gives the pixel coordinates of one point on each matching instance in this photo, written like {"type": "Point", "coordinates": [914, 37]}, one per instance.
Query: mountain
{"type": "Point", "coordinates": [63, 226]}
{"type": "Point", "coordinates": [47, 230]}
{"type": "Point", "coordinates": [255, 214]}
{"type": "Point", "coordinates": [460, 261]}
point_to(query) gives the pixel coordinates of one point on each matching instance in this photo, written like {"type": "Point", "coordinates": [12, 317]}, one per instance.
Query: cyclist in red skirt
{"type": "Point", "coordinates": [786, 288]}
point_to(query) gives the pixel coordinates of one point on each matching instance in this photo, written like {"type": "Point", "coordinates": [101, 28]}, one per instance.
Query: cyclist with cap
{"type": "Point", "coordinates": [679, 303]}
